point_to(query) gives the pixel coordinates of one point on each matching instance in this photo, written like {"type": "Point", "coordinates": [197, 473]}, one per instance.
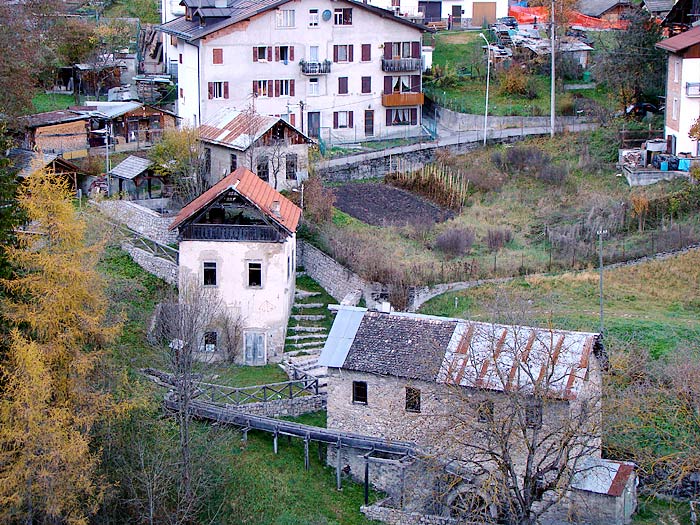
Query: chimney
{"type": "Point", "coordinates": [275, 209]}
{"type": "Point", "coordinates": [385, 307]}
{"type": "Point", "coordinates": [220, 3]}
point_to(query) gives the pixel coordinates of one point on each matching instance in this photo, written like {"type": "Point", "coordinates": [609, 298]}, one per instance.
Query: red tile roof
{"type": "Point", "coordinates": [619, 482]}
{"type": "Point", "coordinates": [254, 189]}
{"type": "Point", "coordinates": [680, 42]}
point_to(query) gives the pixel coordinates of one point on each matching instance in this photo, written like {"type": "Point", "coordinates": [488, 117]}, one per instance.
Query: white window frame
{"type": "Point", "coordinates": [210, 347]}
{"type": "Point", "coordinates": [676, 70]}
{"type": "Point", "coordinates": [286, 51]}
{"type": "Point", "coordinates": [217, 90]}
{"type": "Point", "coordinates": [674, 109]}
{"type": "Point", "coordinates": [264, 53]}
{"type": "Point", "coordinates": [347, 52]}
{"type": "Point", "coordinates": [264, 89]}
{"type": "Point", "coordinates": [285, 18]}
{"type": "Point", "coordinates": [338, 16]}
{"type": "Point", "coordinates": [314, 50]}
{"type": "Point", "coordinates": [314, 18]}
{"type": "Point", "coordinates": [342, 119]}
{"type": "Point", "coordinates": [403, 82]}
{"type": "Point", "coordinates": [210, 265]}
{"type": "Point", "coordinates": [248, 266]}
{"type": "Point", "coordinates": [401, 117]}
{"type": "Point", "coordinates": [314, 87]}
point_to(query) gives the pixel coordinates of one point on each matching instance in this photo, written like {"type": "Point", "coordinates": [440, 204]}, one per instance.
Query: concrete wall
{"type": "Point", "coordinates": [286, 407]}
{"type": "Point", "coordinates": [161, 268]}
{"type": "Point", "coordinates": [140, 219]}
{"type": "Point", "coordinates": [455, 121]}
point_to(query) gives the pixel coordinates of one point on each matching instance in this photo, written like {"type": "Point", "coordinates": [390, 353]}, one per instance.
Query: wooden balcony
{"type": "Point", "coordinates": [393, 100]}
{"type": "Point", "coordinates": [315, 68]}
{"type": "Point", "coordinates": [395, 65]}
{"type": "Point", "coordinates": [230, 232]}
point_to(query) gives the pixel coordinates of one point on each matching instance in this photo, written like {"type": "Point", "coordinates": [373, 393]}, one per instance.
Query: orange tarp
{"type": "Point", "coordinates": [528, 15]}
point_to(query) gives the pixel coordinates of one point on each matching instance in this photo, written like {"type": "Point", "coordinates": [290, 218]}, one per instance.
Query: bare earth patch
{"type": "Point", "coordinates": [384, 205]}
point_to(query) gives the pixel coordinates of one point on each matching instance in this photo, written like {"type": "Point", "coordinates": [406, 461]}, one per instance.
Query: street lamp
{"type": "Point", "coordinates": [488, 75]}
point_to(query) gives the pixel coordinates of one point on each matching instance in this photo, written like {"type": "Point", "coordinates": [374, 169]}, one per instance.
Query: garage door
{"type": "Point", "coordinates": [484, 13]}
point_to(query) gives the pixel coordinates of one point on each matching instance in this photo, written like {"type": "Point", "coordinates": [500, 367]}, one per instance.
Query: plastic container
{"type": "Point", "coordinates": [586, 76]}
{"type": "Point", "coordinates": [664, 165]}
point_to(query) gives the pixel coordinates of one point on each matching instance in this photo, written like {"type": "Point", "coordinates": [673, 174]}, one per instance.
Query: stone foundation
{"type": "Point", "coordinates": [381, 512]}
{"type": "Point", "coordinates": [286, 407]}
{"type": "Point", "coordinates": [147, 222]}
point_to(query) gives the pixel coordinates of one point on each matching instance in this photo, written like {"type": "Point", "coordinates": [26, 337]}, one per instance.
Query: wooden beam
{"type": "Point", "coordinates": [306, 452]}
{"type": "Point", "coordinates": [338, 460]}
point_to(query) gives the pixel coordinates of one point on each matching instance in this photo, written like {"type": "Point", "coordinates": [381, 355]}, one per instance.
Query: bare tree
{"type": "Point", "coordinates": [277, 154]}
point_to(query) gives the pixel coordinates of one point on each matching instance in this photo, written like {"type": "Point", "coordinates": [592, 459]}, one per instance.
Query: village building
{"type": "Point", "coordinates": [341, 71]}
{"type": "Point", "coordinates": [440, 382]}
{"type": "Point", "coordinates": [459, 13]}
{"type": "Point", "coordinates": [682, 91]}
{"type": "Point", "coordinates": [55, 132]}
{"type": "Point", "coordinates": [239, 239]}
{"type": "Point", "coordinates": [657, 8]}
{"type": "Point", "coordinates": [27, 162]}
{"type": "Point", "coordinates": [269, 146]}
{"type": "Point", "coordinates": [683, 15]}
{"type": "Point", "coordinates": [610, 10]}
{"type": "Point", "coordinates": [134, 179]}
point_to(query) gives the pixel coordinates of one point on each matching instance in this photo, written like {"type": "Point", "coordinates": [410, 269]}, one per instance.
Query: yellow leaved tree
{"type": "Point", "coordinates": [50, 400]}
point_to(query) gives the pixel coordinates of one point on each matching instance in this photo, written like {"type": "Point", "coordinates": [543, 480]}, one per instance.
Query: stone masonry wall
{"type": "Point", "coordinates": [286, 407]}
{"type": "Point", "coordinates": [398, 517]}
{"type": "Point", "coordinates": [157, 266]}
{"type": "Point", "coordinates": [456, 121]}
{"type": "Point", "coordinates": [142, 220]}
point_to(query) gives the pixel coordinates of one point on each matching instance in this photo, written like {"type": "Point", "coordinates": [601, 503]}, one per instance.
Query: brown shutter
{"type": "Point", "coordinates": [342, 85]}
{"type": "Point", "coordinates": [350, 53]}
{"type": "Point", "coordinates": [366, 84]}
{"type": "Point", "coordinates": [415, 83]}
{"type": "Point", "coordinates": [210, 86]}
{"type": "Point", "coordinates": [415, 49]}
{"type": "Point", "coordinates": [291, 53]}
{"type": "Point", "coordinates": [350, 118]}
{"type": "Point", "coordinates": [255, 54]}
{"type": "Point", "coordinates": [335, 120]}
{"type": "Point", "coordinates": [269, 53]}
{"type": "Point", "coordinates": [387, 50]}
{"type": "Point", "coordinates": [217, 55]}
{"type": "Point", "coordinates": [366, 52]}
{"type": "Point", "coordinates": [225, 89]}
{"type": "Point", "coordinates": [414, 116]}
{"type": "Point", "coordinates": [255, 87]}
{"type": "Point", "coordinates": [291, 88]}
{"type": "Point", "coordinates": [277, 53]}
{"type": "Point", "coordinates": [388, 117]}
{"type": "Point", "coordinates": [292, 118]}
{"type": "Point", "coordinates": [388, 81]}
{"type": "Point", "coordinates": [335, 53]}
{"type": "Point", "coordinates": [269, 88]}
{"type": "Point", "coordinates": [277, 88]}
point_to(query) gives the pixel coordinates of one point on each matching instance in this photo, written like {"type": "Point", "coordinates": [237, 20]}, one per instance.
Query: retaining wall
{"type": "Point", "coordinates": [140, 219]}
{"type": "Point", "coordinates": [285, 407]}
{"type": "Point", "coordinates": [166, 270]}
{"type": "Point", "coordinates": [455, 121]}
{"type": "Point", "coordinates": [398, 517]}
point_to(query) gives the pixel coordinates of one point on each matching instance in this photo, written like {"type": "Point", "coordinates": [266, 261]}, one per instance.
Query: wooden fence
{"type": "Point", "coordinates": [302, 385]}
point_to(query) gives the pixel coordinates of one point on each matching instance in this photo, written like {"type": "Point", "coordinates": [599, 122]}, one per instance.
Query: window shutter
{"type": "Point", "coordinates": [255, 54]}
{"type": "Point", "coordinates": [414, 116]}
{"type": "Point", "coordinates": [350, 118]}
{"type": "Point", "coordinates": [291, 88]}
{"type": "Point", "coordinates": [269, 88]}
{"type": "Point", "coordinates": [387, 50]}
{"type": "Point", "coordinates": [292, 118]}
{"type": "Point", "coordinates": [335, 120]}
{"type": "Point", "coordinates": [269, 53]}
{"type": "Point", "coordinates": [277, 53]}
{"type": "Point", "coordinates": [366, 84]}
{"type": "Point", "coordinates": [342, 85]}
{"type": "Point", "coordinates": [415, 83]}
{"type": "Point", "coordinates": [180, 58]}
{"type": "Point", "coordinates": [210, 86]}
{"type": "Point", "coordinates": [225, 89]}
{"type": "Point", "coordinates": [277, 88]}
{"type": "Point", "coordinates": [366, 52]}
{"type": "Point", "coordinates": [350, 49]}
{"type": "Point", "coordinates": [388, 81]}
{"type": "Point", "coordinates": [388, 117]}
{"type": "Point", "coordinates": [335, 53]}
{"type": "Point", "coordinates": [218, 55]}
{"type": "Point", "coordinates": [291, 53]}
{"type": "Point", "coordinates": [255, 87]}
{"type": "Point", "coordinates": [415, 49]}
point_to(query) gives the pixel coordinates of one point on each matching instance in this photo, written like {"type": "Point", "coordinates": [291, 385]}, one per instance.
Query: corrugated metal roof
{"type": "Point", "coordinates": [252, 188]}
{"type": "Point", "coordinates": [680, 42]}
{"type": "Point", "coordinates": [131, 167]}
{"type": "Point", "coordinates": [602, 476]}
{"type": "Point", "coordinates": [109, 109]}
{"type": "Point", "coordinates": [341, 336]}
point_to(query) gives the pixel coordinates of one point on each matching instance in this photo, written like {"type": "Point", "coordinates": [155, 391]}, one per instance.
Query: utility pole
{"type": "Point", "coordinates": [552, 104]}
{"type": "Point", "coordinates": [600, 261]}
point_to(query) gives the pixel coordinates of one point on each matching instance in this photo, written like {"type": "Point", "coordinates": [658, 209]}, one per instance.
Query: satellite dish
{"type": "Point", "coordinates": [326, 15]}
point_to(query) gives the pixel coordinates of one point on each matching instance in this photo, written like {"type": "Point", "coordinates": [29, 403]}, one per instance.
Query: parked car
{"type": "Point", "coordinates": [509, 21]}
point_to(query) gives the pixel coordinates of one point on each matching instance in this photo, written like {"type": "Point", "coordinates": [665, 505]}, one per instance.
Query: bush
{"type": "Point", "coordinates": [525, 158]}
{"type": "Point", "coordinates": [318, 201]}
{"type": "Point", "coordinates": [513, 82]}
{"type": "Point", "coordinates": [455, 242]}
{"type": "Point", "coordinates": [553, 173]}
{"type": "Point", "coordinates": [497, 238]}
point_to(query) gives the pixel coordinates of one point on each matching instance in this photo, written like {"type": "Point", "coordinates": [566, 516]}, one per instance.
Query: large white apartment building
{"type": "Point", "coordinates": [337, 69]}
{"type": "Point", "coordinates": [468, 13]}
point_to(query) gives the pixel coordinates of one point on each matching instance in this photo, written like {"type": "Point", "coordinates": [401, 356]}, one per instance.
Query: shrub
{"type": "Point", "coordinates": [318, 201]}
{"type": "Point", "coordinates": [525, 158]}
{"type": "Point", "coordinates": [455, 242]}
{"type": "Point", "coordinates": [513, 82]}
{"type": "Point", "coordinates": [497, 238]}
{"type": "Point", "coordinates": [553, 173]}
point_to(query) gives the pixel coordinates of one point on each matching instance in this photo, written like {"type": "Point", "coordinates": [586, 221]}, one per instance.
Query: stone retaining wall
{"type": "Point", "coordinates": [285, 407]}
{"type": "Point", "coordinates": [140, 219]}
{"type": "Point", "coordinates": [386, 514]}
{"type": "Point", "coordinates": [455, 121]}
{"type": "Point", "coordinates": [166, 270]}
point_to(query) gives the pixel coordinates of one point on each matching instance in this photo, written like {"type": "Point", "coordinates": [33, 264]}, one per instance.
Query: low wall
{"type": "Point", "coordinates": [140, 219]}
{"type": "Point", "coordinates": [285, 407]}
{"type": "Point", "coordinates": [455, 121]}
{"type": "Point", "coordinates": [166, 270]}
{"type": "Point", "coordinates": [386, 514]}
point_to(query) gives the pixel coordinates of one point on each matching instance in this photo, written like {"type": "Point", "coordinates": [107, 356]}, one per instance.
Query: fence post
{"type": "Point", "coordinates": [291, 393]}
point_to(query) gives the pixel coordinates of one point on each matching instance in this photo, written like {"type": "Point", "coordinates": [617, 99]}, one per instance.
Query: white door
{"type": "Point", "coordinates": [313, 54]}
{"type": "Point", "coordinates": [255, 348]}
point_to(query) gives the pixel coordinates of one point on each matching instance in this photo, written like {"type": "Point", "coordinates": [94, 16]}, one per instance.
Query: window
{"type": "Point", "coordinates": [255, 274]}
{"type": "Point", "coordinates": [291, 166]}
{"type": "Point", "coordinates": [262, 54]}
{"type": "Point", "coordinates": [313, 17]}
{"type": "Point", "coordinates": [182, 93]}
{"type": "Point", "coordinates": [207, 161]}
{"type": "Point", "coordinates": [676, 70]}
{"type": "Point", "coordinates": [400, 117]}
{"type": "Point", "coordinates": [284, 54]}
{"type": "Point", "coordinates": [217, 55]}
{"type": "Point", "coordinates": [359, 392]}
{"type": "Point", "coordinates": [233, 163]}
{"type": "Point", "coordinates": [263, 168]}
{"type": "Point", "coordinates": [343, 16]}
{"type": "Point", "coordinates": [286, 88]}
{"type": "Point", "coordinates": [484, 412]}
{"type": "Point", "coordinates": [342, 85]}
{"type": "Point", "coordinates": [342, 119]}
{"type": "Point", "coordinates": [173, 40]}
{"type": "Point", "coordinates": [395, 3]}
{"type": "Point", "coordinates": [533, 414]}
{"type": "Point", "coordinates": [285, 18]}
{"type": "Point", "coordinates": [210, 340]}
{"type": "Point", "coordinates": [218, 90]}
{"type": "Point", "coordinates": [180, 58]}
{"type": "Point", "coordinates": [209, 274]}
{"type": "Point", "coordinates": [406, 49]}
{"type": "Point", "coordinates": [313, 54]}
{"type": "Point", "coordinates": [313, 86]}
{"type": "Point", "coordinates": [366, 84]}
{"type": "Point", "coordinates": [342, 53]}
{"type": "Point", "coordinates": [261, 88]}
{"type": "Point", "coordinates": [401, 84]}
{"type": "Point", "coordinates": [674, 109]}
{"type": "Point", "coordinates": [412, 399]}
{"type": "Point", "coordinates": [366, 52]}
{"type": "Point", "coordinates": [403, 49]}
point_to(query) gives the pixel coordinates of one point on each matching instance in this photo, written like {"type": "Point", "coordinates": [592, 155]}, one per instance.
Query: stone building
{"type": "Point", "coordinates": [239, 239]}
{"type": "Point", "coordinates": [463, 392]}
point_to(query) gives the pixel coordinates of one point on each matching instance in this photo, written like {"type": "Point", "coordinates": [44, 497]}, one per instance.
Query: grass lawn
{"type": "Point", "coordinates": [52, 101]}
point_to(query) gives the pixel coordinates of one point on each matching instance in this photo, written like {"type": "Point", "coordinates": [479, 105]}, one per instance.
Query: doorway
{"type": "Point", "coordinates": [369, 123]}
{"type": "Point", "coordinates": [314, 124]}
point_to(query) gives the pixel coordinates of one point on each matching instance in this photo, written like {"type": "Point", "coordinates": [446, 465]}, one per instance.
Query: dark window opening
{"type": "Point", "coordinates": [209, 274]}
{"type": "Point", "coordinates": [234, 163]}
{"type": "Point", "coordinates": [291, 166]}
{"type": "Point", "coordinates": [412, 399]}
{"type": "Point", "coordinates": [254, 274]}
{"type": "Point", "coordinates": [263, 169]}
{"type": "Point", "coordinates": [533, 414]}
{"type": "Point", "coordinates": [210, 341]}
{"type": "Point", "coordinates": [484, 412]}
{"type": "Point", "coordinates": [343, 16]}
{"type": "Point", "coordinates": [359, 392]}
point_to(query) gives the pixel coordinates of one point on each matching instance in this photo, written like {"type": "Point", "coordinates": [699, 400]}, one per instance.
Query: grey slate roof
{"type": "Point", "coordinates": [658, 6]}
{"type": "Point", "coordinates": [598, 7]}
{"type": "Point", "coordinates": [131, 167]}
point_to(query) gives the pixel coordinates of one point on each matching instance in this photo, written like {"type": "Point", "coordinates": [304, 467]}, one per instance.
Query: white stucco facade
{"type": "Point", "coordinates": [258, 62]}
{"type": "Point", "coordinates": [683, 101]}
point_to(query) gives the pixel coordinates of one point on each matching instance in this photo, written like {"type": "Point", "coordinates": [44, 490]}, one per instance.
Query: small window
{"type": "Point", "coordinates": [209, 274]}
{"type": "Point", "coordinates": [342, 85]}
{"type": "Point", "coordinates": [412, 399]}
{"type": "Point", "coordinates": [218, 90]}
{"type": "Point", "coordinates": [313, 17]}
{"type": "Point", "coordinates": [341, 119]}
{"type": "Point", "coordinates": [263, 168]}
{"type": "Point", "coordinates": [343, 16]}
{"type": "Point", "coordinates": [406, 49]}
{"type": "Point", "coordinates": [284, 54]}
{"type": "Point", "coordinates": [313, 86]}
{"type": "Point", "coordinates": [260, 53]}
{"type": "Point", "coordinates": [366, 52]}
{"type": "Point", "coordinates": [285, 18]}
{"type": "Point", "coordinates": [255, 274]}
{"type": "Point", "coordinates": [262, 88]}
{"type": "Point", "coordinates": [233, 163]}
{"type": "Point", "coordinates": [366, 84]}
{"type": "Point", "coordinates": [484, 412]}
{"type": "Point", "coordinates": [359, 392]}
{"type": "Point", "coordinates": [291, 166]}
{"type": "Point", "coordinates": [210, 341]}
{"type": "Point", "coordinates": [217, 55]}
{"type": "Point", "coordinates": [674, 109]}
{"type": "Point", "coordinates": [533, 414]}
{"type": "Point", "coordinates": [180, 58]}
{"type": "Point", "coordinates": [342, 53]}
{"type": "Point", "coordinates": [285, 88]}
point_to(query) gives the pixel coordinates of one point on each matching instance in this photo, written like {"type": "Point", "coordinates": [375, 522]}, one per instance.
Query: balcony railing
{"type": "Point", "coordinates": [402, 64]}
{"type": "Point", "coordinates": [315, 68]}
{"type": "Point", "coordinates": [692, 89]}
{"type": "Point", "coordinates": [393, 100]}
{"type": "Point", "coordinates": [230, 232]}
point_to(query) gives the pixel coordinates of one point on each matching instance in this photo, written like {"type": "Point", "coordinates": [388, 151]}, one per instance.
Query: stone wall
{"type": "Point", "coordinates": [140, 219]}
{"type": "Point", "coordinates": [455, 121]}
{"type": "Point", "coordinates": [381, 512]}
{"type": "Point", "coordinates": [162, 268]}
{"type": "Point", "coordinates": [286, 407]}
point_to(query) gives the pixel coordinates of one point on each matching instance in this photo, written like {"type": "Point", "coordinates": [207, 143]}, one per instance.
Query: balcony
{"type": "Point", "coordinates": [692, 89]}
{"type": "Point", "coordinates": [393, 100]}
{"type": "Point", "coordinates": [230, 232]}
{"type": "Point", "coordinates": [315, 68]}
{"type": "Point", "coordinates": [396, 65]}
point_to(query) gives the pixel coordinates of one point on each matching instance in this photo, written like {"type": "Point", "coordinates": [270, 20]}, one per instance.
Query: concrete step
{"type": "Point", "coordinates": [318, 372]}
{"type": "Point", "coordinates": [309, 317]}
{"type": "Point", "coordinates": [306, 337]}
{"type": "Point", "coordinates": [303, 294]}
{"type": "Point", "coordinates": [312, 344]}
{"type": "Point", "coordinates": [309, 305]}
{"type": "Point", "coordinates": [310, 329]}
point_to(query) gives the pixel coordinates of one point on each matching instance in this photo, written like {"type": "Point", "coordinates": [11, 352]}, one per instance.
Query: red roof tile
{"type": "Point", "coordinates": [254, 189]}
{"type": "Point", "coordinates": [620, 480]}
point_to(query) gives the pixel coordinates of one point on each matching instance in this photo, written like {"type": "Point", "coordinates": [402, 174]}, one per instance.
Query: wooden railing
{"type": "Point", "coordinates": [229, 232]}
{"type": "Point", "coordinates": [155, 248]}
{"type": "Point", "coordinates": [402, 64]}
{"type": "Point", "coordinates": [402, 99]}
{"type": "Point", "coordinates": [302, 385]}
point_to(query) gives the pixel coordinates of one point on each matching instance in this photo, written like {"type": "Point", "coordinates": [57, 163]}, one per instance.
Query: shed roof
{"type": "Point", "coordinates": [658, 6]}
{"type": "Point", "coordinates": [603, 476]}
{"type": "Point", "coordinates": [462, 352]}
{"type": "Point", "coordinates": [680, 42]}
{"type": "Point", "coordinates": [50, 118]}
{"type": "Point", "coordinates": [131, 167]}
{"type": "Point", "coordinates": [238, 130]}
{"type": "Point", "coordinates": [599, 7]}
{"type": "Point", "coordinates": [252, 188]}
{"type": "Point", "coordinates": [29, 161]}
{"type": "Point", "coordinates": [108, 109]}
